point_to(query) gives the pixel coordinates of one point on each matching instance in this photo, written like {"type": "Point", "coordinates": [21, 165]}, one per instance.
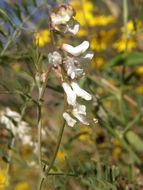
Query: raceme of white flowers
{"type": "Point", "coordinates": [62, 21]}
{"type": "Point", "coordinates": [12, 121]}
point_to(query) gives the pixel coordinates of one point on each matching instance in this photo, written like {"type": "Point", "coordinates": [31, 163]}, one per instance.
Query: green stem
{"type": "Point", "coordinates": [9, 162]}
{"type": "Point", "coordinates": [132, 123]}
{"type": "Point", "coordinates": [125, 20]}
{"type": "Point", "coordinates": [57, 148]}
{"type": "Point", "coordinates": [60, 173]}
{"type": "Point", "coordinates": [39, 137]}
{"type": "Point", "coordinates": [54, 156]}
{"type": "Point", "coordinates": [41, 95]}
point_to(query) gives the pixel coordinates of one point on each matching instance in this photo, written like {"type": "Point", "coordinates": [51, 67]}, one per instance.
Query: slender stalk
{"type": "Point", "coordinates": [39, 138]}
{"type": "Point", "coordinates": [125, 19]}
{"type": "Point", "coordinates": [54, 156]}
{"type": "Point", "coordinates": [132, 123]}
{"type": "Point", "coordinates": [66, 174]}
{"type": "Point", "coordinates": [57, 148]}
{"type": "Point", "coordinates": [9, 162]}
{"type": "Point", "coordinates": [41, 89]}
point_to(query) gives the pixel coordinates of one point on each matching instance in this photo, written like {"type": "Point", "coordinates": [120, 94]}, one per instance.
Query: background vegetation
{"type": "Point", "coordinates": [106, 156]}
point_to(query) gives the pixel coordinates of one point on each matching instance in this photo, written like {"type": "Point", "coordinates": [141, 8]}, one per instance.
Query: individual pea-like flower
{"type": "Point", "coordinates": [55, 58]}
{"type": "Point", "coordinates": [71, 95]}
{"type": "Point", "coordinates": [73, 67]}
{"type": "Point", "coordinates": [76, 51]}
{"type": "Point", "coordinates": [71, 60]}
{"type": "Point", "coordinates": [79, 112]}
{"type": "Point", "coordinates": [80, 92]}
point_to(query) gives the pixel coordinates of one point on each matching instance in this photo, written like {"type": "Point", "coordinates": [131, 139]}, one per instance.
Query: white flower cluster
{"type": "Point", "coordinates": [12, 121]}
{"type": "Point", "coordinates": [62, 21]}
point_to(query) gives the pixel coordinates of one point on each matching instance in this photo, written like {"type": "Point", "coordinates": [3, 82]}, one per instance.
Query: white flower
{"type": "Point", "coordinates": [12, 121]}
{"type": "Point", "coordinates": [71, 96]}
{"type": "Point", "coordinates": [58, 19]}
{"type": "Point", "coordinates": [61, 16]}
{"type": "Point", "coordinates": [80, 109]}
{"type": "Point", "coordinates": [73, 26]}
{"type": "Point", "coordinates": [73, 69]}
{"type": "Point", "coordinates": [70, 121]}
{"type": "Point", "coordinates": [80, 92]}
{"type": "Point", "coordinates": [88, 55]}
{"type": "Point", "coordinates": [76, 51]}
{"type": "Point", "coordinates": [55, 58]}
{"type": "Point", "coordinates": [79, 112]}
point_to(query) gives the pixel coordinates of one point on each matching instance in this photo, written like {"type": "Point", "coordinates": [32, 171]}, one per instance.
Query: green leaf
{"type": "Point", "coordinates": [135, 141]}
{"type": "Point", "coordinates": [3, 32]}
{"type": "Point", "coordinates": [5, 16]}
{"type": "Point", "coordinates": [17, 11]}
{"type": "Point", "coordinates": [126, 59]}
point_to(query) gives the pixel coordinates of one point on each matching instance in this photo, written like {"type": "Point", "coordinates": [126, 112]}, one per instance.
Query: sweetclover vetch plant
{"type": "Point", "coordinates": [66, 61]}
{"type": "Point", "coordinates": [69, 63]}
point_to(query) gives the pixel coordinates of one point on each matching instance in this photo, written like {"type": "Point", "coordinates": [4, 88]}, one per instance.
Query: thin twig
{"type": "Point", "coordinates": [60, 173]}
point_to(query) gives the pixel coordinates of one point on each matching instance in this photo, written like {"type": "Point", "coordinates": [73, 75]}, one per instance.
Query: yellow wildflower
{"type": "Point", "coordinates": [97, 62]}
{"type": "Point", "coordinates": [42, 37]}
{"type": "Point", "coordinates": [107, 103]}
{"type": "Point", "coordinates": [120, 45]}
{"type": "Point", "coordinates": [99, 42]}
{"type": "Point", "coordinates": [2, 179]}
{"type": "Point", "coordinates": [99, 91]}
{"type": "Point", "coordinates": [103, 20]}
{"type": "Point", "coordinates": [60, 156]}
{"type": "Point", "coordinates": [116, 153]}
{"type": "Point", "coordinates": [82, 32]}
{"type": "Point", "coordinates": [116, 142]}
{"type": "Point", "coordinates": [139, 89]}
{"type": "Point", "coordinates": [86, 134]}
{"type": "Point", "coordinates": [16, 67]}
{"type": "Point", "coordinates": [84, 14]}
{"type": "Point", "coordinates": [22, 186]}
{"type": "Point", "coordinates": [132, 26]}
{"type": "Point", "coordinates": [139, 70]}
